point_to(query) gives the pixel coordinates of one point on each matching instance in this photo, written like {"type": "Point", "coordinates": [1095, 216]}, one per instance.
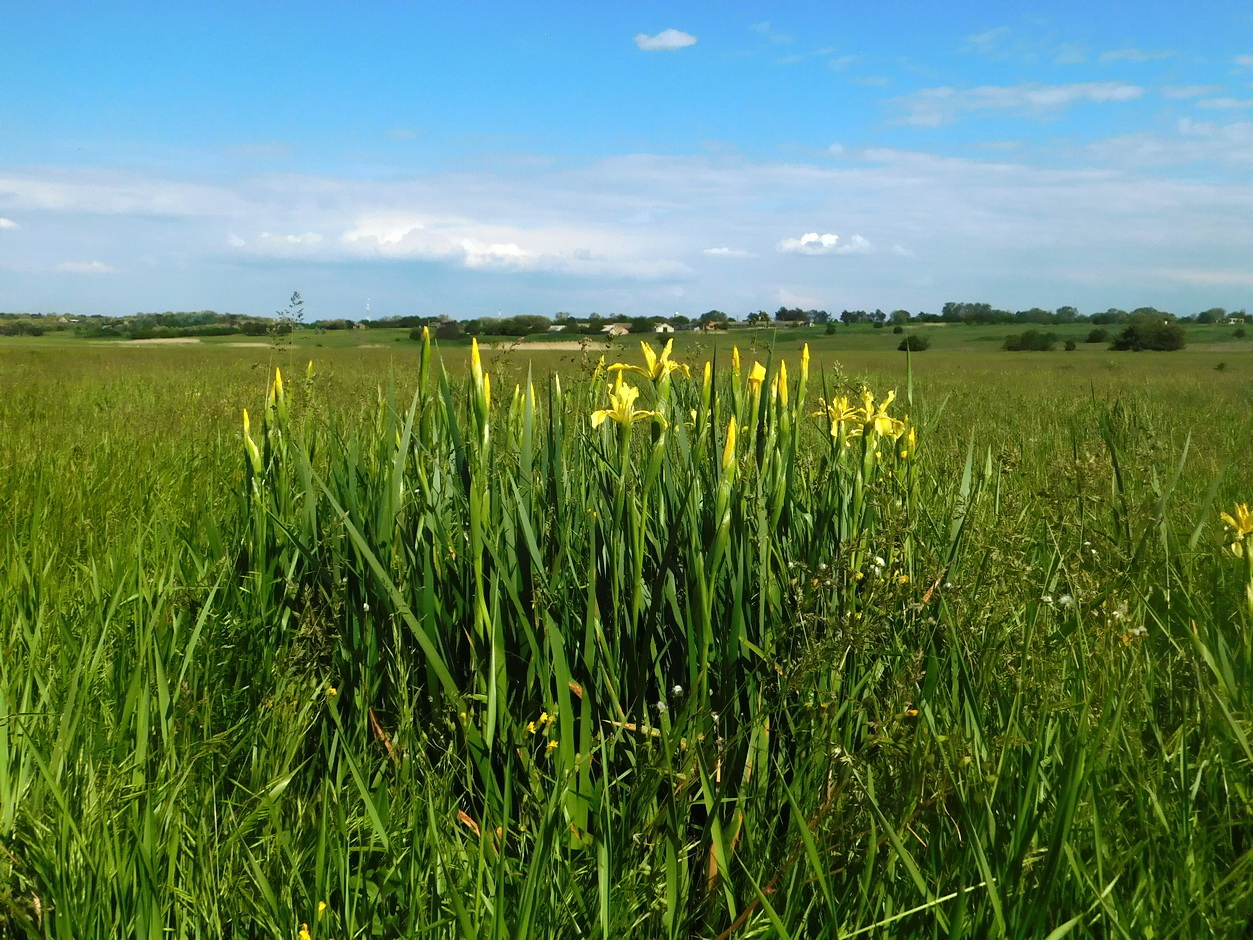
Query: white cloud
{"type": "Point", "coordinates": [85, 267]}
{"type": "Point", "coordinates": [989, 41]}
{"type": "Point", "coordinates": [7, 223]}
{"type": "Point", "coordinates": [560, 236]}
{"type": "Point", "coordinates": [308, 238]}
{"type": "Point", "coordinates": [1225, 104]}
{"type": "Point", "coordinates": [665, 41]}
{"type": "Point", "coordinates": [1176, 92]}
{"type": "Point", "coordinates": [902, 252]}
{"type": "Point", "coordinates": [811, 243]}
{"type": "Point", "coordinates": [1193, 142]}
{"type": "Point", "coordinates": [1208, 278]}
{"type": "Point", "coordinates": [1068, 54]}
{"type": "Point", "coordinates": [725, 252]}
{"type": "Point", "coordinates": [787, 298]}
{"type": "Point", "coordinates": [932, 107]}
{"type": "Point", "coordinates": [1136, 55]}
{"type": "Point", "coordinates": [772, 34]}
{"type": "Point", "coordinates": [1245, 61]}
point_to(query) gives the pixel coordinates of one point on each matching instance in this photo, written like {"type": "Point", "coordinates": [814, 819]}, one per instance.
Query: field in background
{"type": "Point", "coordinates": [1007, 692]}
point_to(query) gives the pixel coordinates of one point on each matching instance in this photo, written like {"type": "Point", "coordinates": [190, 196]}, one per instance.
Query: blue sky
{"type": "Point", "coordinates": [470, 157]}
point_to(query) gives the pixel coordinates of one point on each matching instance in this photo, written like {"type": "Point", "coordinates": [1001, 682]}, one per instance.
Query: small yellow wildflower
{"type": "Point", "coordinates": [303, 933]}
{"type": "Point", "coordinates": [322, 904]}
{"type": "Point", "coordinates": [903, 580]}
{"type": "Point", "coordinates": [331, 691]}
{"type": "Point", "coordinates": [530, 727]}
{"type": "Point", "coordinates": [622, 399]}
{"type": "Point", "coordinates": [548, 748]}
{"type": "Point", "coordinates": [1241, 524]}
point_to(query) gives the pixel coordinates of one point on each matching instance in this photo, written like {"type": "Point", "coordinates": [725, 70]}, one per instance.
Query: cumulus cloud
{"type": "Point", "coordinates": [665, 41]}
{"type": "Point", "coordinates": [85, 267]}
{"type": "Point", "coordinates": [7, 223]}
{"type": "Point", "coordinates": [1136, 55]}
{"type": "Point", "coordinates": [1225, 104]}
{"type": "Point", "coordinates": [812, 243]}
{"type": "Point", "coordinates": [932, 107]}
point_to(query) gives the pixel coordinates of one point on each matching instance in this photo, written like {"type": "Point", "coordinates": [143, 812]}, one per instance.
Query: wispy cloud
{"type": "Point", "coordinates": [7, 223]}
{"type": "Point", "coordinates": [1189, 91]}
{"type": "Point", "coordinates": [1136, 55]}
{"type": "Point", "coordinates": [557, 236]}
{"type": "Point", "coordinates": [1070, 54]}
{"type": "Point", "coordinates": [1193, 142]}
{"type": "Point", "coordinates": [85, 267]}
{"type": "Point", "coordinates": [812, 243]}
{"type": "Point", "coordinates": [402, 133]}
{"type": "Point", "coordinates": [932, 107]}
{"type": "Point", "coordinates": [770, 33]}
{"type": "Point", "coordinates": [667, 40]}
{"type": "Point", "coordinates": [990, 41]}
{"type": "Point", "coordinates": [1225, 104]}
{"type": "Point", "coordinates": [1245, 61]}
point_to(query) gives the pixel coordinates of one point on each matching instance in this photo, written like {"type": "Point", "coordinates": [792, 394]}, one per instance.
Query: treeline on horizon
{"type": "Point", "coordinates": [212, 323]}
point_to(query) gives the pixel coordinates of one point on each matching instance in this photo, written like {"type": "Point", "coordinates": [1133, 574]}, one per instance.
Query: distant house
{"type": "Point", "coordinates": [616, 329]}
{"type": "Point", "coordinates": [663, 328]}
{"type": "Point", "coordinates": [557, 328]}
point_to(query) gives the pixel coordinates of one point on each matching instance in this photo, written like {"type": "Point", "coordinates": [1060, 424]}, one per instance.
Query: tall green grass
{"type": "Point", "coordinates": [432, 655]}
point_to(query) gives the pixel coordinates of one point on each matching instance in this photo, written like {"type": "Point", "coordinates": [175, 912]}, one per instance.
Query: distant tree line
{"type": "Point", "coordinates": [212, 323]}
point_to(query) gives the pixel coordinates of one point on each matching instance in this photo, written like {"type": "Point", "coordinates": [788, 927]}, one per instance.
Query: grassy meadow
{"type": "Point", "coordinates": [482, 648]}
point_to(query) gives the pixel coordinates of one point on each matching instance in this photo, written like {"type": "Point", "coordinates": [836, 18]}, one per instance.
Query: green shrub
{"type": "Point", "coordinates": [914, 343]}
{"type": "Point", "coordinates": [1030, 341]}
{"type": "Point", "coordinates": [1154, 332]}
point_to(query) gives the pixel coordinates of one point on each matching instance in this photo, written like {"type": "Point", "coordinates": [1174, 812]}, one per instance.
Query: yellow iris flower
{"type": "Point", "coordinates": [876, 417]}
{"type": "Point", "coordinates": [841, 414]}
{"type": "Point", "coordinates": [622, 401]}
{"type": "Point", "coordinates": [728, 449]}
{"type": "Point", "coordinates": [756, 376]}
{"type": "Point", "coordinates": [1241, 524]}
{"type": "Point", "coordinates": [657, 367]}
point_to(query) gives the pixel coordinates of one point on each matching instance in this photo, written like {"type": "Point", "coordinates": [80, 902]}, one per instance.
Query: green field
{"type": "Point", "coordinates": [416, 660]}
